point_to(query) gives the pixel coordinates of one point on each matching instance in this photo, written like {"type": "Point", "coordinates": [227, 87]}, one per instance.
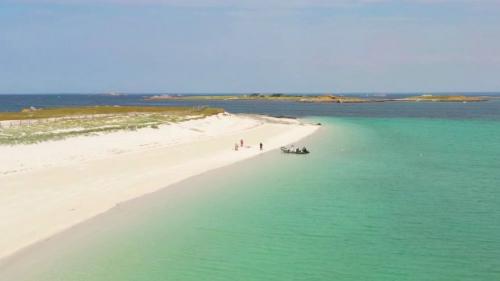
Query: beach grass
{"type": "Point", "coordinates": [26, 114]}
{"type": "Point", "coordinates": [32, 126]}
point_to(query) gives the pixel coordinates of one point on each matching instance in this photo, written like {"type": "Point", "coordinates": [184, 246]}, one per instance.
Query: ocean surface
{"type": "Point", "coordinates": [483, 110]}
{"type": "Point", "coordinates": [390, 192]}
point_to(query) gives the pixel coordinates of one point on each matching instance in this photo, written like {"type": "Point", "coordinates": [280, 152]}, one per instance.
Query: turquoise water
{"type": "Point", "coordinates": [378, 199]}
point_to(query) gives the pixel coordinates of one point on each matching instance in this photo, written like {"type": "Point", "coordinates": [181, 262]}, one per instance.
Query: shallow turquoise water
{"type": "Point", "coordinates": [378, 199]}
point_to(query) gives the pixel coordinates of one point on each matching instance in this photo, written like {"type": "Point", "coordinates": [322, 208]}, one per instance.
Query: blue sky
{"type": "Point", "coordinates": [249, 46]}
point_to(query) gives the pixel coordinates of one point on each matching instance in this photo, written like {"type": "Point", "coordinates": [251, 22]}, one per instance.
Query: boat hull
{"type": "Point", "coordinates": [293, 151]}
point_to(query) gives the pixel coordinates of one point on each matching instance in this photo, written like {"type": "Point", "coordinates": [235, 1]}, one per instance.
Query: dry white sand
{"type": "Point", "coordinates": [48, 187]}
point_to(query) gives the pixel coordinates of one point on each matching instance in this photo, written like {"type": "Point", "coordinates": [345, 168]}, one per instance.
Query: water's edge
{"type": "Point", "coordinates": [102, 219]}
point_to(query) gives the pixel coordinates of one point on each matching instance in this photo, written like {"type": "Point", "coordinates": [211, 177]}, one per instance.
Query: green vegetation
{"type": "Point", "coordinates": [32, 126]}
{"type": "Point", "coordinates": [26, 114]}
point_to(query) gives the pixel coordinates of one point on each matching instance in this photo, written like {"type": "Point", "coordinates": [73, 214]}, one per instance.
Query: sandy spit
{"type": "Point", "coordinates": [48, 187]}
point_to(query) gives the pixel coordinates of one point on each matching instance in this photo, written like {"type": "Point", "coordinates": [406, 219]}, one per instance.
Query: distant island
{"type": "Point", "coordinates": [273, 97]}
{"type": "Point", "coordinates": [431, 98]}
{"type": "Point", "coordinates": [327, 98]}
{"type": "Point", "coordinates": [114, 94]}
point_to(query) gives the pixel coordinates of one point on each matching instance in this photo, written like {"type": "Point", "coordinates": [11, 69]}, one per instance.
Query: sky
{"type": "Point", "coordinates": [242, 46]}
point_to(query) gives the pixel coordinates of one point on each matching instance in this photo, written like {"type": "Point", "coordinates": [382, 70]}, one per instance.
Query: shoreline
{"type": "Point", "coordinates": [63, 188]}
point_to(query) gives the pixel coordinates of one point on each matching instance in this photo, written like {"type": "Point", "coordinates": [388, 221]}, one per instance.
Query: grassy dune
{"type": "Point", "coordinates": [26, 114]}
{"type": "Point", "coordinates": [32, 126]}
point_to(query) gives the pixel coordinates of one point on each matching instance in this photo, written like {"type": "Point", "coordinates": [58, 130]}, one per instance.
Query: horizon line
{"type": "Point", "coordinates": [252, 92]}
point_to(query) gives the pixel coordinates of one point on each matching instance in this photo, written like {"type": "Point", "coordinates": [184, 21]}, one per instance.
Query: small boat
{"type": "Point", "coordinates": [294, 150]}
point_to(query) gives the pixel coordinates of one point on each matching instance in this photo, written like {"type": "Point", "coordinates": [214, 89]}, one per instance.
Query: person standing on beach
{"type": "Point", "coordinates": [241, 142]}
{"type": "Point", "coordinates": [236, 146]}
{"type": "Point", "coordinates": [261, 146]}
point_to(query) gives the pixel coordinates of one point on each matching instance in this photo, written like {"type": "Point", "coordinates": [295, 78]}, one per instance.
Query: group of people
{"type": "Point", "coordinates": [237, 146]}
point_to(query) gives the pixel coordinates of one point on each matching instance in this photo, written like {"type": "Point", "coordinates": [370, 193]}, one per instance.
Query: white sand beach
{"type": "Point", "coordinates": [48, 187]}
